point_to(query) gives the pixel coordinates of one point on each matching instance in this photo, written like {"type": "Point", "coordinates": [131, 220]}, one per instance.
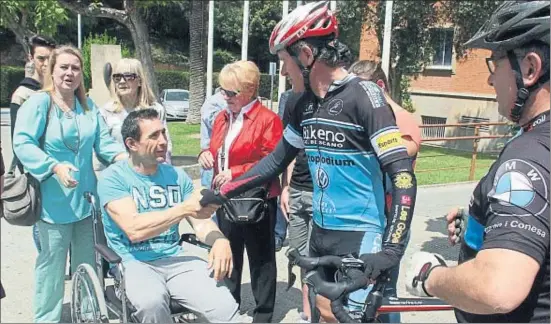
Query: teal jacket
{"type": "Point", "coordinates": [82, 133]}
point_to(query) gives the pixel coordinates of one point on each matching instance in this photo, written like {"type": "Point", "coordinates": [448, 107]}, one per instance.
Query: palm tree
{"type": "Point", "coordinates": [197, 58]}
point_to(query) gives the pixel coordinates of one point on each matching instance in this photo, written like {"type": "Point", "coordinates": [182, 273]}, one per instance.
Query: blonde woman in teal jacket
{"type": "Point", "coordinates": [63, 165]}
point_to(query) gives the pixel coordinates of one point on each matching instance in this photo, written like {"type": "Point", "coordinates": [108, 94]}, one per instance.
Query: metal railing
{"type": "Point", "coordinates": [475, 138]}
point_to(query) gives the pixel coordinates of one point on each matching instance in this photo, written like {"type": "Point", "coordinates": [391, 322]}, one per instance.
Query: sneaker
{"type": "Point", "coordinates": [303, 318]}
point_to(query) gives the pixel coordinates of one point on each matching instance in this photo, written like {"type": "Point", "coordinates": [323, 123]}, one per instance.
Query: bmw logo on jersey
{"type": "Point", "coordinates": [518, 183]}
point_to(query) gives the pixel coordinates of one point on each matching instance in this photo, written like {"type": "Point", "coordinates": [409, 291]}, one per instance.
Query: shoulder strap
{"type": "Point", "coordinates": [15, 160]}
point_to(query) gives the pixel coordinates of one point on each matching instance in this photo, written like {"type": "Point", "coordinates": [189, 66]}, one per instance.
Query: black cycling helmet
{"type": "Point", "coordinates": [515, 24]}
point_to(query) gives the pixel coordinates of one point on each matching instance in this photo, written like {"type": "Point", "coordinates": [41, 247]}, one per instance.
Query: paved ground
{"type": "Point", "coordinates": [18, 256]}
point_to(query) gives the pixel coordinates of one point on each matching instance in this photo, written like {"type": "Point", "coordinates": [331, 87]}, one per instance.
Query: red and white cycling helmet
{"type": "Point", "coordinates": [311, 20]}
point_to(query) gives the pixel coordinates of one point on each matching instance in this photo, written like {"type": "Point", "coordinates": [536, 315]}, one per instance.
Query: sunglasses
{"type": "Point", "coordinates": [229, 93]}
{"type": "Point", "coordinates": [117, 77]}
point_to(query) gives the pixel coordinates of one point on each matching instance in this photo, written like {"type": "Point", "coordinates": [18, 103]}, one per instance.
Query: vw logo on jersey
{"type": "Point", "coordinates": [335, 107]}
{"type": "Point", "coordinates": [322, 178]}
{"type": "Point", "coordinates": [518, 183]}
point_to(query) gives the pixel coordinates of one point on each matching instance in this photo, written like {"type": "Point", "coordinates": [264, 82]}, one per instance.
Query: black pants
{"type": "Point", "coordinates": [260, 244]}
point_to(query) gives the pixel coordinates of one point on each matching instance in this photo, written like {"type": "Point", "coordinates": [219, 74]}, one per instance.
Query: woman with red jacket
{"type": "Point", "coordinates": [242, 134]}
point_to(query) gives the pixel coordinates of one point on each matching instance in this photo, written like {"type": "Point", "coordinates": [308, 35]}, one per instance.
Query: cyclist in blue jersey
{"type": "Point", "coordinates": [503, 271]}
{"type": "Point", "coordinates": [351, 140]}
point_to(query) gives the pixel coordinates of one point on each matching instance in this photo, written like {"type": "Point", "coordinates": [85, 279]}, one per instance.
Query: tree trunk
{"type": "Point", "coordinates": [21, 34]}
{"type": "Point", "coordinates": [140, 36]}
{"type": "Point", "coordinates": [197, 80]}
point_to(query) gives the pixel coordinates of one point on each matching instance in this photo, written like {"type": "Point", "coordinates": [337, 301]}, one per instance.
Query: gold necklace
{"type": "Point", "coordinates": [62, 105]}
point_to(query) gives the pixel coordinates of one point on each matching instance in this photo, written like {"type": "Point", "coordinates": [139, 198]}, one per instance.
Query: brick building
{"type": "Point", "coordinates": [449, 91]}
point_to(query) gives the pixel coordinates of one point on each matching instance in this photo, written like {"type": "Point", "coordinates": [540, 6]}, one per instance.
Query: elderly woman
{"type": "Point", "coordinates": [130, 90]}
{"type": "Point", "coordinates": [242, 134]}
{"type": "Point", "coordinates": [55, 134]}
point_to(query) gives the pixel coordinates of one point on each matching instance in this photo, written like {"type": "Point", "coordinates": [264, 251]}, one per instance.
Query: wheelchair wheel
{"type": "Point", "coordinates": [87, 298]}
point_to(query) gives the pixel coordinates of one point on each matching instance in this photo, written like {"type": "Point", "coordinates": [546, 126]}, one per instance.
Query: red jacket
{"type": "Point", "coordinates": [262, 129]}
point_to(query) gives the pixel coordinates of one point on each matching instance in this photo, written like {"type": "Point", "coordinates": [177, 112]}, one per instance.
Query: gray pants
{"type": "Point", "coordinates": [150, 285]}
{"type": "Point", "coordinates": [300, 219]}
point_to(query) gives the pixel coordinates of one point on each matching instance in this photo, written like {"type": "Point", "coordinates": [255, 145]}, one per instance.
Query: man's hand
{"type": "Point", "coordinates": [456, 225]}
{"type": "Point", "coordinates": [193, 208]}
{"type": "Point", "coordinates": [206, 160]}
{"type": "Point", "coordinates": [418, 272]}
{"type": "Point", "coordinates": [376, 263]}
{"type": "Point", "coordinates": [220, 259]}
{"type": "Point", "coordinates": [222, 178]}
{"type": "Point", "coordinates": [284, 202]}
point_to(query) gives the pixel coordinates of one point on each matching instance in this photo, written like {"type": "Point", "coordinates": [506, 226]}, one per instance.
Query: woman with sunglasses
{"type": "Point", "coordinates": [56, 132]}
{"type": "Point", "coordinates": [243, 133]}
{"type": "Point", "coordinates": [130, 91]}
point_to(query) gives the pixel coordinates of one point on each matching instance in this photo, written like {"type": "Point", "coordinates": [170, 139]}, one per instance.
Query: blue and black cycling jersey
{"type": "Point", "coordinates": [348, 137]}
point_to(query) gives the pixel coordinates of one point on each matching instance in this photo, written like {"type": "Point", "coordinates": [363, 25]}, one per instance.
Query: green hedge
{"type": "Point", "coordinates": [10, 77]}
{"type": "Point", "coordinates": [180, 80]}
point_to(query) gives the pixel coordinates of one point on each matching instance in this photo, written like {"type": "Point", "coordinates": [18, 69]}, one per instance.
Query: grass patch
{"type": "Point", "coordinates": [185, 138]}
{"type": "Point", "coordinates": [435, 158]}
{"type": "Point", "coordinates": [186, 141]}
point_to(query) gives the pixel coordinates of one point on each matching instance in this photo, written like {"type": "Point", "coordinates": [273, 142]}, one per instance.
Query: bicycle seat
{"type": "Point", "coordinates": [334, 290]}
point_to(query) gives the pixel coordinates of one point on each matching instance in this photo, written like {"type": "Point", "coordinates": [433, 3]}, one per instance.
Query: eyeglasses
{"type": "Point", "coordinates": [126, 76]}
{"type": "Point", "coordinates": [229, 93]}
{"type": "Point", "coordinates": [491, 63]}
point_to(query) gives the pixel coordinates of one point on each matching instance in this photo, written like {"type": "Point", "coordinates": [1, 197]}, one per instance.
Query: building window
{"type": "Point", "coordinates": [432, 132]}
{"type": "Point", "coordinates": [442, 42]}
{"type": "Point", "coordinates": [471, 120]}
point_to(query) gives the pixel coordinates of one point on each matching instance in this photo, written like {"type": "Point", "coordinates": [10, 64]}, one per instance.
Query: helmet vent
{"type": "Point", "coordinates": [505, 17]}
{"type": "Point", "coordinates": [543, 12]}
{"type": "Point", "coordinates": [514, 32]}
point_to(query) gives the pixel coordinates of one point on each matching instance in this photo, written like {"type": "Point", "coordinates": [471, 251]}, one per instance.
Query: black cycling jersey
{"type": "Point", "coordinates": [510, 210]}
{"type": "Point", "coordinates": [301, 178]}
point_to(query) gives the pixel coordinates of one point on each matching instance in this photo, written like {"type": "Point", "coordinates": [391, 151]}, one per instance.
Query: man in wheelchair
{"type": "Point", "coordinates": [143, 201]}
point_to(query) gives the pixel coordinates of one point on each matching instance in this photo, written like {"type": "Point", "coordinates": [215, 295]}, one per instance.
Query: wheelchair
{"type": "Point", "coordinates": [92, 298]}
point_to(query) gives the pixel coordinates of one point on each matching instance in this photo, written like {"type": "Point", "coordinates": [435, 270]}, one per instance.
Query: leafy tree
{"type": "Point", "coordinates": [412, 44]}
{"type": "Point", "coordinates": [28, 18]}
{"type": "Point", "coordinates": [129, 15]}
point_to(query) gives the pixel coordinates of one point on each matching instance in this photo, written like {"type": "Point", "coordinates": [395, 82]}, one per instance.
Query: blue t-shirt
{"type": "Point", "coordinates": [166, 188]}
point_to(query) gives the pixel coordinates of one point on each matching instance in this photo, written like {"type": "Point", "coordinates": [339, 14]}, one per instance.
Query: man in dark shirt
{"type": "Point", "coordinates": [39, 58]}
{"type": "Point", "coordinates": [503, 271]}
{"type": "Point", "coordinates": [296, 195]}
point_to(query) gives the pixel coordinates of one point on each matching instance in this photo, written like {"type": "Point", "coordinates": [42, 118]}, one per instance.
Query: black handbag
{"type": "Point", "coordinates": [248, 208]}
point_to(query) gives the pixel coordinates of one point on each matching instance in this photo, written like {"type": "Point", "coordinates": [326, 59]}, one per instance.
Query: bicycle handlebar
{"type": "Point", "coordinates": [334, 291]}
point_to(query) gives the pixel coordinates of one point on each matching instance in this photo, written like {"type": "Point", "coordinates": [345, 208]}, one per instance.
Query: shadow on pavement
{"type": "Point", "coordinates": [440, 245]}
{"type": "Point", "coordinates": [285, 300]}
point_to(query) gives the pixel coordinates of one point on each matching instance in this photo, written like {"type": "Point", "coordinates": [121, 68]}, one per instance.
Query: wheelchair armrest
{"type": "Point", "coordinates": [108, 254]}
{"type": "Point", "coordinates": [192, 239]}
